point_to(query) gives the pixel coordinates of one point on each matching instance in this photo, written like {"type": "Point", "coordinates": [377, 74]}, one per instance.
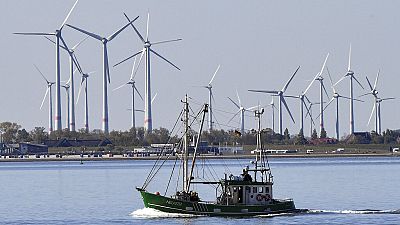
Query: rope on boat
{"type": "Point", "coordinates": [150, 176]}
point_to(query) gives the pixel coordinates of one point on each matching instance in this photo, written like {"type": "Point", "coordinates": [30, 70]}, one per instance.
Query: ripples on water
{"type": "Point", "coordinates": [337, 190]}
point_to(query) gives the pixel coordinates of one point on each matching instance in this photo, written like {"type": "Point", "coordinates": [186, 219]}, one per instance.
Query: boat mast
{"type": "Point", "coordinates": [258, 114]}
{"type": "Point", "coordinates": [186, 143]}
{"type": "Point", "coordinates": [205, 110]}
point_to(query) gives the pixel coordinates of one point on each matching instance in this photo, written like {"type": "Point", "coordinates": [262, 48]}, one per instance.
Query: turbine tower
{"type": "Point", "coordinates": [302, 97]}
{"type": "Point", "coordinates": [148, 122]}
{"type": "Point", "coordinates": [57, 34]}
{"type": "Point", "coordinates": [377, 104]}
{"type": "Point", "coordinates": [309, 112]}
{"type": "Point", "coordinates": [350, 74]}
{"type": "Point", "coordinates": [281, 100]}
{"type": "Point", "coordinates": [106, 69]}
{"type": "Point", "coordinates": [241, 110]}
{"type": "Point", "coordinates": [67, 102]}
{"type": "Point", "coordinates": [48, 91]}
{"type": "Point", "coordinates": [273, 107]}
{"type": "Point", "coordinates": [72, 60]}
{"type": "Point", "coordinates": [84, 80]}
{"type": "Point", "coordinates": [132, 82]}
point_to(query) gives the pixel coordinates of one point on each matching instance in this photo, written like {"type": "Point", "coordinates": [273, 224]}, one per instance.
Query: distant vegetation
{"type": "Point", "coordinates": [14, 133]}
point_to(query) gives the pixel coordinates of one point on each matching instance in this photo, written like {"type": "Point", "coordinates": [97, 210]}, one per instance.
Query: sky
{"type": "Point", "coordinates": [259, 44]}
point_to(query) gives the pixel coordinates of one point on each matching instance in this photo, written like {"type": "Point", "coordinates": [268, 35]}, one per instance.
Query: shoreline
{"type": "Point", "coordinates": [68, 158]}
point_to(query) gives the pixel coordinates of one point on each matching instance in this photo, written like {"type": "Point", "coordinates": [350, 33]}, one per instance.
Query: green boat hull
{"type": "Point", "coordinates": [171, 205]}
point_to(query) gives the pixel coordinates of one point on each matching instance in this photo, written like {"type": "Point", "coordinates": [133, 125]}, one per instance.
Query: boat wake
{"type": "Point", "coordinates": [362, 211]}
{"type": "Point", "coordinates": [147, 213]}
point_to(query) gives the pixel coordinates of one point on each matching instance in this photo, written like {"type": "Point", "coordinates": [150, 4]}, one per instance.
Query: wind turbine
{"type": "Point", "coordinates": [210, 99]}
{"type": "Point", "coordinates": [84, 80]}
{"type": "Point", "coordinates": [377, 103]}
{"type": "Point", "coordinates": [350, 74]}
{"type": "Point", "coordinates": [281, 99]}
{"type": "Point", "coordinates": [57, 34]}
{"type": "Point", "coordinates": [106, 69]}
{"type": "Point", "coordinates": [336, 97]}
{"type": "Point", "coordinates": [148, 122]}
{"type": "Point", "coordinates": [67, 102]}
{"type": "Point", "coordinates": [72, 60]}
{"type": "Point", "coordinates": [131, 82]}
{"type": "Point", "coordinates": [241, 110]}
{"type": "Point", "coordinates": [302, 97]}
{"type": "Point", "coordinates": [48, 91]}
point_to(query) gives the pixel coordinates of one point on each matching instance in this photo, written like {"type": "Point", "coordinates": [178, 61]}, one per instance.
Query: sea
{"type": "Point", "coordinates": [340, 190]}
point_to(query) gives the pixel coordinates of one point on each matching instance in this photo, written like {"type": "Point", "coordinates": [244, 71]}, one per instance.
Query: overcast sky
{"type": "Point", "coordinates": [259, 44]}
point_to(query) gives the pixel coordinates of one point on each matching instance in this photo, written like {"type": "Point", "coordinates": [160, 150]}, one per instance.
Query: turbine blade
{"type": "Point", "coordinates": [291, 78]}
{"type": "Point", "coordinates": [215, 73]}
{"type": "Point", "coordinates": [133, 69]}
{"type": "Point", "coordinates": [349, 67]}
{"type": "Point", "coordinates": [140, 60]}
{"type": "Point", "coordinates": [107, 65]}
{"type": "Point", "coordinates": [234, 103]}
{"type": "Point", "coordinates": [139, 110]}
{"type": "Point", "coordinates": [55, 43]}
{"type": "Point", "coordinates": [79, 43]}
{"type": "Point", "coordinates": [34, 33]}
{"type": "Point", "coordinates": [112, 36]}
{"type": "Point", "coordinates": [80, 90]}
{"type": "Point", "coordinates": [251, 108]}
{"type": "Point", "coordinates": [154, 98]}
{"type": "Point", "coordinates": [330, 80]}
{"type": "Point", "coordinates": [119, 87]}
{"type": "Point", "coordinates": [358, 82]}
{"type": "Point", "coordinates": [147, 26]}
{"type": "Point", "coordinates": [137, 91]}
{"type": "Point", "coordinates": [318, 74]}
{"type": "Point", "coordinates": [340, 80]}
{"type": "Point", "coordinates": [376, 79]}
{"type": "Point", "coordinates": [369, 83]}
{"type": "Point", "coordinates": [167, 41]}
{"type": "Point", "coordinates": [127, 58]}
{"type": "Point", "coordinates": [133, 26]}
{"type": "Point", "coordinates": [44, 98]}
{"type": "Point", "coordinates": [384, 99]}
{"type": "Point", "coordinates": [237, 94]}
{"type": "Point", "coordinates": [372, 113]}
{"type": "Point", "coordinates": [323, 65]}
{"type": "Point", "coordinates": [287, 109]}
{"type": "Point", "coordinates": [41, 73]}
{"type": "Point", "coordinates": [262, 91]}
{"type": "Point", "coordinates": [95, 36]}
{"type": "Point", "coordinates": [234, 115]}
{"type": "Point", "coordinates": [66, 18]}
{"type": "Point", "coordinates": [164, 58]}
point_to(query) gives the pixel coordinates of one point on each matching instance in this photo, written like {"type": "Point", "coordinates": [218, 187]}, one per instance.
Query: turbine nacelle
{"type": "Point", "coordinates": [147, 44]}
{"type": "Point", "coordinates": [350, 73]}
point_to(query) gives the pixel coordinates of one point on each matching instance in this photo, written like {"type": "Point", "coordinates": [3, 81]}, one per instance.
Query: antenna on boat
{"type": "Point", "coordinates": [186, 143]}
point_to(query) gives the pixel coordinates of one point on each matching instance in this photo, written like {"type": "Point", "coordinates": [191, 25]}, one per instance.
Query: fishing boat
{"type": "Point", "coordinates": [247, 194]}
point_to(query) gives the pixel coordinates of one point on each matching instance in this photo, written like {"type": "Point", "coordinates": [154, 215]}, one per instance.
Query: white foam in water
{"type": "Point", "coordinates": [153, 213]}
{"type": "Point", "coordinates": [365, 211]}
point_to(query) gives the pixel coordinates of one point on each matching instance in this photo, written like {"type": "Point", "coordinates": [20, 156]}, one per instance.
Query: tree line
{"type": "Point", "coordinates": [14, 133]}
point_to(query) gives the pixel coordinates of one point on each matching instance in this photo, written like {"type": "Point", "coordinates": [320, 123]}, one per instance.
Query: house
{"type": "Point", "coordinates": [63, 142]}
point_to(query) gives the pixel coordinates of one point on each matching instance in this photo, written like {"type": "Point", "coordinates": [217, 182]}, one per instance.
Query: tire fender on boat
{"type": "Point", "coordinates": [267, 197]}
{"type": "Point", "coordinates": [259, 197]}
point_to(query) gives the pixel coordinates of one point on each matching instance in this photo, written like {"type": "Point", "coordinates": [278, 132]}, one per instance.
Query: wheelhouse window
{"type": "Point", "coordinates": [266, 189]}
{"type": "Point", "coordinates": [260, 189]}
{"type": "Point", "coordinates": [254, 189]}
{"type": "Point", "coordinates": [248, 189]}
